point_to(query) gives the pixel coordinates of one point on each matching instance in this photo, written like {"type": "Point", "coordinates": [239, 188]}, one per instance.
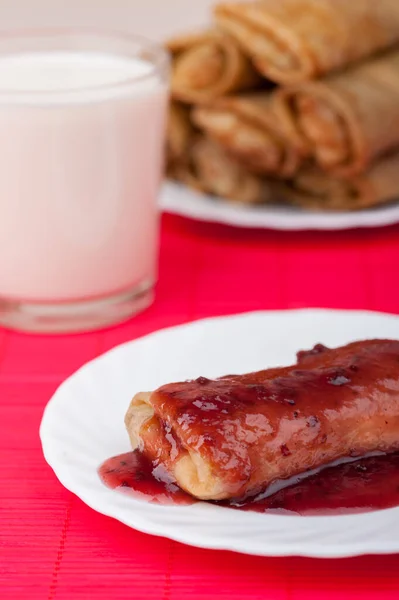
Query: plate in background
{"type": "Point", "coordinates": [180, 200]}
{"type": "Point", "coordinates": [83, 425]}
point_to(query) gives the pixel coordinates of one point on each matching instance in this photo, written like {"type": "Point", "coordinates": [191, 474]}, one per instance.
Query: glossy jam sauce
{"type": "Point", "coordinates": [362, 486]}
{"type": "Point", "coordinates": [133, 473]}
{"type": "Point", "coordinates": [239, 423]}
{"type": "Point", "coordinates": [365, 485]}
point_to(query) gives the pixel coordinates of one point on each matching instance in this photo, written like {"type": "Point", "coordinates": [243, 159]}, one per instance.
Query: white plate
{"type": "Point", "coordinates": [180, 200]}
{"type": "Point", "coordinates": [83, 425]}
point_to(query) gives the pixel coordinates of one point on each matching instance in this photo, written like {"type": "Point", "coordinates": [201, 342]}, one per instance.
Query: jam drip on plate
{"type": "Point", "coordinates": [133, 473]}
{"type": "Point", "coordinates": [366, 485]}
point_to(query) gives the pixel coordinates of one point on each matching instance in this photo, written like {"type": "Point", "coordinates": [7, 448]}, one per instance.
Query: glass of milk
{"type": "Point", "coordinates": [82, 121]}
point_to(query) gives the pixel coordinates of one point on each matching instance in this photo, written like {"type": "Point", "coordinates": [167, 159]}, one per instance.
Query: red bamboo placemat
{"type": "Point", "coordinates": [54, 547]}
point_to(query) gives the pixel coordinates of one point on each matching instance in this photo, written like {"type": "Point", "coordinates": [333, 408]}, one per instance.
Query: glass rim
{"type": "Point", "coordinates": [160, 63]}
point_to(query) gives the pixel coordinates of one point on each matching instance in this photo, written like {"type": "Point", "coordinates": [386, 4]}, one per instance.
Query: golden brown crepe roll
{"type": "Point", "coordinates": [297, 40]}
{"type": "Point", "coordinates": [178, 135]}
{"type": "Point", "coordinates": [351, 118]}
{"type": "Point", "coordinates": [315, 190]}
{"type": "Point", "coordinates": [255, 129]}
{"type": "Point", "coordinates": [211, 171]}
{"type": "Point", "coordinates": [232, 437]}
{"type": "Point", "coordinates": [208, 65]}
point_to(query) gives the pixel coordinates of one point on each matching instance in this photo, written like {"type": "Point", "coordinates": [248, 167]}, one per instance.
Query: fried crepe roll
{"type": "Point", "coordinates": [349, 119]}
{"type": "Point", "coordinates": [211, 171]}
{"type": "Point", "coordinates": [179, 135]}
{"type": "Point", "coordinates": [314, 190]}
{"type": "Point", "coordinates": [297, 40]}
{"type": "Point", "coordinates": [208, 65]}
{"type": "Point", "coordinates": [232, 437]}
{"type": "Point", "coordinates": [256, 129]}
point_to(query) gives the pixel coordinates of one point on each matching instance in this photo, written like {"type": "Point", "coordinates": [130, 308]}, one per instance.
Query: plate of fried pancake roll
{"type": "Point", "coordinates": [285, 114]}
{"type": "Point", "coordinates": [268, 433]}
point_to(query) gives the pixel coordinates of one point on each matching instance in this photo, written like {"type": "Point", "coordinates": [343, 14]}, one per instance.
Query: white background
{"type": "Point", "coordinates": [152, 18]}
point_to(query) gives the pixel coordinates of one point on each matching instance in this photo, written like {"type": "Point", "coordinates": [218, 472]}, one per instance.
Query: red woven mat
{"type": "Point", "coordinates": [53, 547]}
